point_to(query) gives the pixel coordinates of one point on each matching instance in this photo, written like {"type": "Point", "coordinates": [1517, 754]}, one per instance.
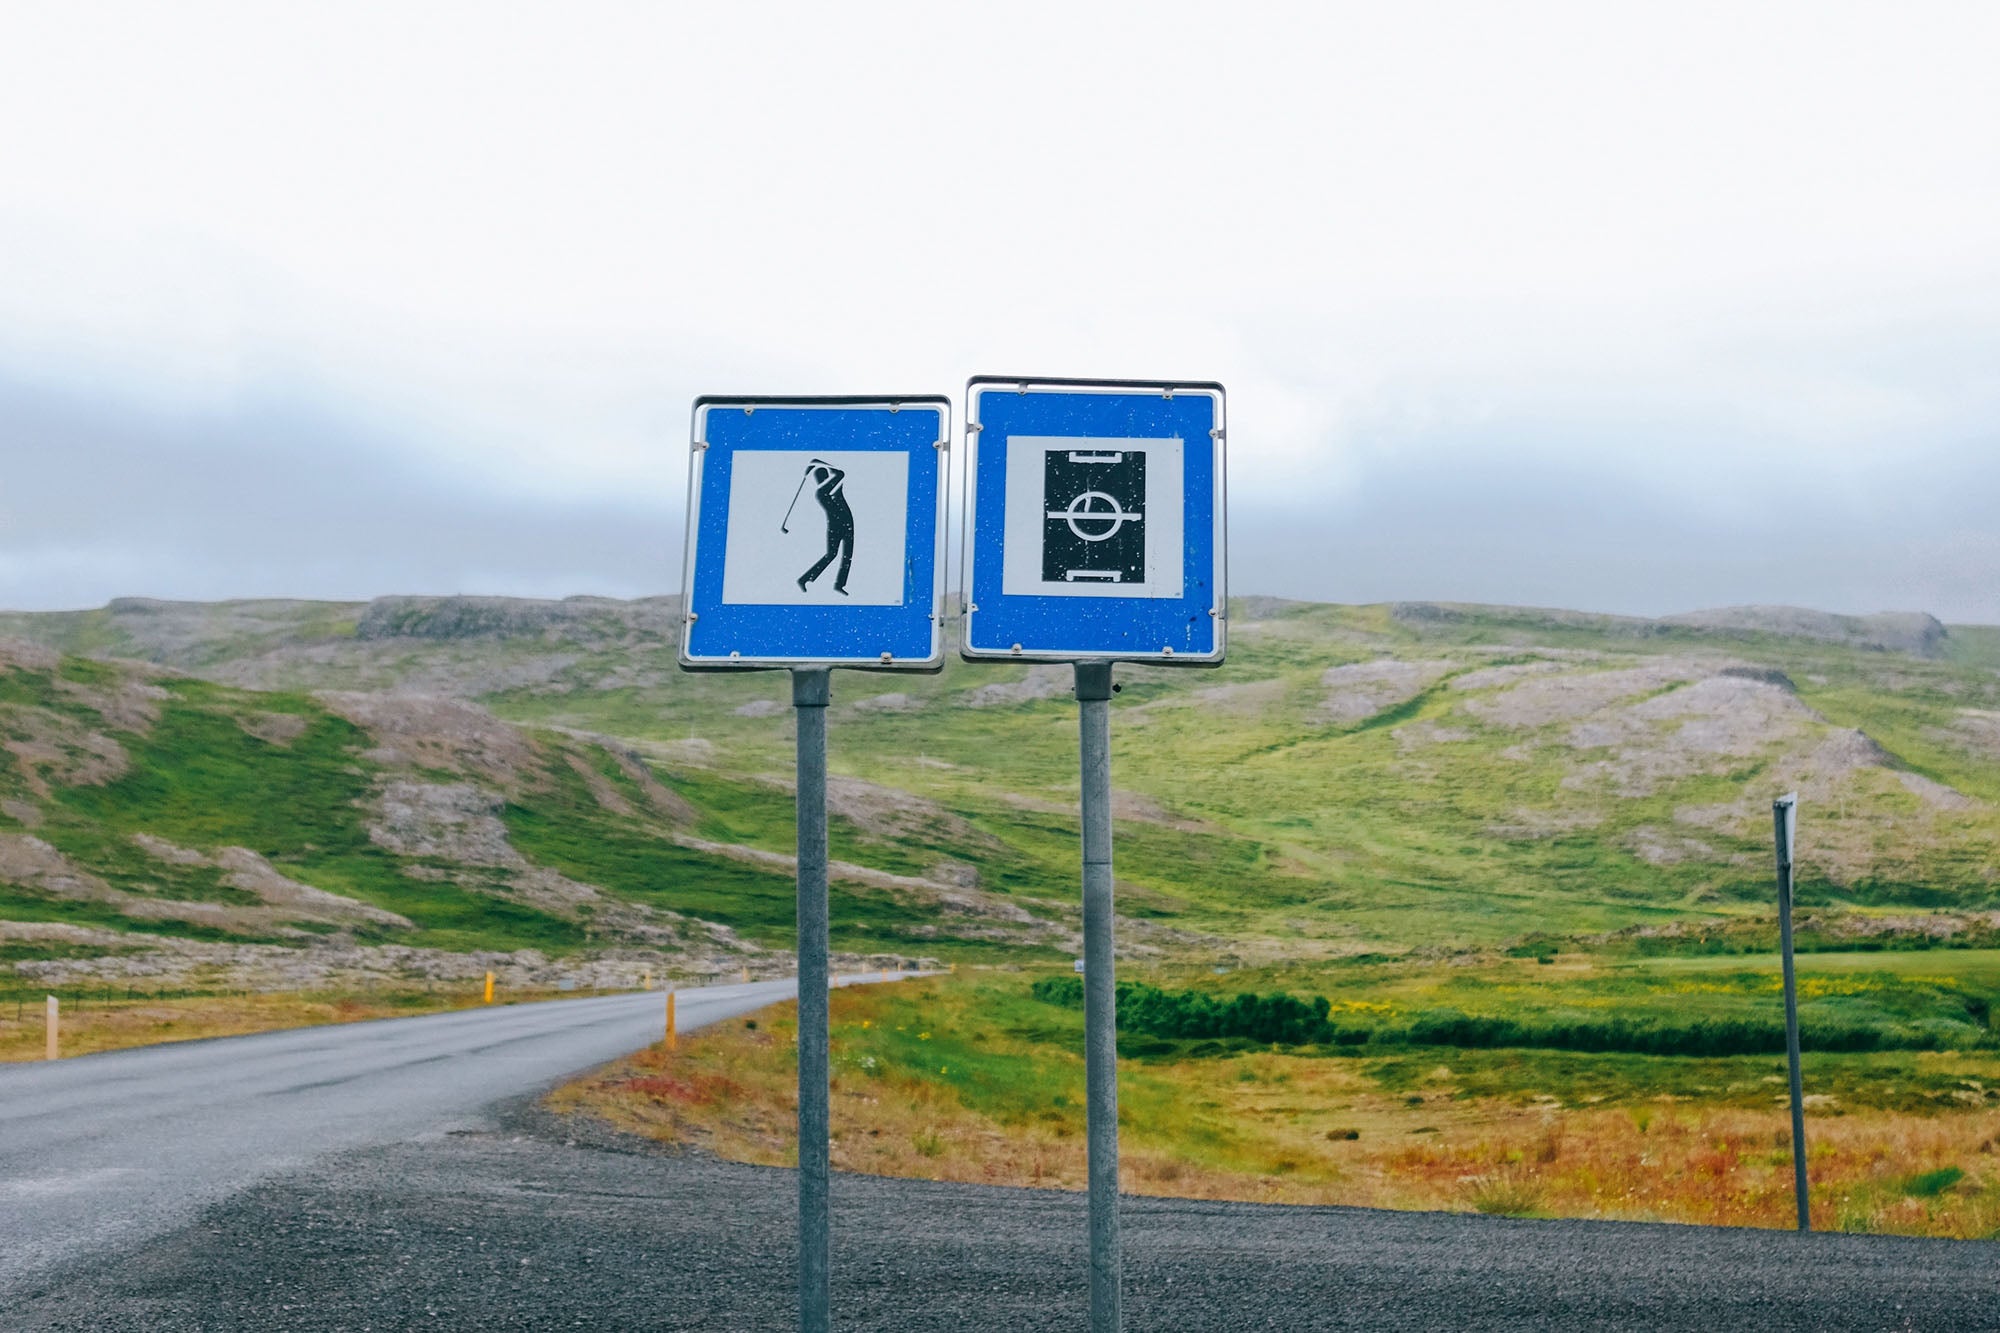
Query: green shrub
{"type": "Point", "coordinates": [1930, 1184]}
{"type": "Point", "coordinates": [1282, 1019]}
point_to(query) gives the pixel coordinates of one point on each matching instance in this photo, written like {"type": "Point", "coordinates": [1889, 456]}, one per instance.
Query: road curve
{"type": "Point", "coordinates": [104, 1151]}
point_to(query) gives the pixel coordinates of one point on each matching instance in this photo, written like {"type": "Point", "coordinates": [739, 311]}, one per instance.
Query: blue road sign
{"type": "Point", "coordinates": [816, 533]}
{"type": "Point", "coordinates": [1095, 521]}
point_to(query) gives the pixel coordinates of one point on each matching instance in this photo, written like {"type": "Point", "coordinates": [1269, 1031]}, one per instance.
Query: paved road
{"type": "Point", "coordinates": [105, 1150]}
{"type": "Point", "coordinates": [525, 1228]}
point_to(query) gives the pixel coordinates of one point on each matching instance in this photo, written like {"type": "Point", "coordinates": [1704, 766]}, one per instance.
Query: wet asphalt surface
{"type": "Point", "coordinates": [535, 1223]}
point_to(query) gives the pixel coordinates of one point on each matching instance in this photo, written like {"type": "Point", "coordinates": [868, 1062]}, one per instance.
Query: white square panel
{"type": "Point", "coordinates": [787, 516]}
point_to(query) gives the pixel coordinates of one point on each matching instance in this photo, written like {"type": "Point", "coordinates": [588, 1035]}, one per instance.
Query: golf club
{"type": "Point", "coordinates": [786, 526]}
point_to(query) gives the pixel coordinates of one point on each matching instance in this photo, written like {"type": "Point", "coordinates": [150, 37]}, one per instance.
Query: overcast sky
{"type": "Point", "coordinates": [1623, 308]}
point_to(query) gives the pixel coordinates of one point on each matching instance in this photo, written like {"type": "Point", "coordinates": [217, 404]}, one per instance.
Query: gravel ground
{"type": "Point", "coordinates": [547, 1224]}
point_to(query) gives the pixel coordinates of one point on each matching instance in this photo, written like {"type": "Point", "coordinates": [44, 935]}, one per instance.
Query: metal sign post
{"type": "Point", "coordinates": [1095, 533]}
{"type": "Point", "coordinates": [1785, 817]}
{"type": "Point", "coordinates": [1100, 993]}
{"type": "Point", "coordinates": [767, 583]}
{"type": "Point", "coordinates": [811, 690]}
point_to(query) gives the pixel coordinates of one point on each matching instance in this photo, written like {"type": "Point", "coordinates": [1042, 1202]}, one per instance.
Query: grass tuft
{"type": "Point", "coordinates": [1508, 1192]}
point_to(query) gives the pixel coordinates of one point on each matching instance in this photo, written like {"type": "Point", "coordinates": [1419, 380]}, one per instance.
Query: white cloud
{"type": "Point", "coordinates": [517, 240]}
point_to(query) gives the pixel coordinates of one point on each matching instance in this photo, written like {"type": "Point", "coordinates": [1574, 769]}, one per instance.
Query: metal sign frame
{"type": "Point", "coordinates": [721, 636]}
{"type": "Point", "coordinates": [1026, 628]}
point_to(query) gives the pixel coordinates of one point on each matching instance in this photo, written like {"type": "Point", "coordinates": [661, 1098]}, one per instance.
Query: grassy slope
{"type": "Point", "coordinates": [1283, 829]}
{"type": "Point", "coordinates": [1316, 829]}
{"type": "Point", "coordinates": [199, 778]}
{"type": "Point", "coordinates": [567, 829]}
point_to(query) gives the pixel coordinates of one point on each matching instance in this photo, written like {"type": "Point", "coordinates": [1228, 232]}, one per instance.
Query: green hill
{"type": "Point", "coordinates": [422, 783]}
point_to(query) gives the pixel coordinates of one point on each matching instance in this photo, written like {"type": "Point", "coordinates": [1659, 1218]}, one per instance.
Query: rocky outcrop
{"type": "Point", "coordinates": [1360, 690]}
{"type": "Point", "coordinates": [420, 731]}
{"type": "Point", "coordinates": [280, 902]}
{"type": "Point", "coordinates": [1910, 632]}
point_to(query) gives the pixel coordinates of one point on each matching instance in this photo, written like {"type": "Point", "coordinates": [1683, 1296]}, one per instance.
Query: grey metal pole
{"type": "Point", "coordinates": [811, 688]}
{"type": "Point", "coordinates": [1785, 818]}
{"type": "Point", "coordinates": [1100, 996]}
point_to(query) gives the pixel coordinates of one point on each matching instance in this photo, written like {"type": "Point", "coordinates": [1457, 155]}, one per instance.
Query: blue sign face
{"type": "Point", "coordinates": [815, 533]}
{"type": "Point", "coordinates": [1095, 521]}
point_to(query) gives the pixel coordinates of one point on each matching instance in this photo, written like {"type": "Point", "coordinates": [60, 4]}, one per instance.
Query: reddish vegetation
{"type": "Point", "coordinates": [696, 1089]}
{"type": "Point", "coordinates": [1318, 1131]}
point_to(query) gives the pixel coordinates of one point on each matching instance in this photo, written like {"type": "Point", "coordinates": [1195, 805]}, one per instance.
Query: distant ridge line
{"type": "Point", "coordinates": [1916, 633]}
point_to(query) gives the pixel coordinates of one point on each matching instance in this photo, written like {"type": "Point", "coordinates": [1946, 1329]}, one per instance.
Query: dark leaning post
{"type": "Point", "coordinates": [1100, 993]}
{"type": "Point", "coordinates": [1785, 818]}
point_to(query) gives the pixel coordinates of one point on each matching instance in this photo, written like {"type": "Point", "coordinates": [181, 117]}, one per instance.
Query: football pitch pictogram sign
{"type": "Point", "coordinates": [1095, 521]}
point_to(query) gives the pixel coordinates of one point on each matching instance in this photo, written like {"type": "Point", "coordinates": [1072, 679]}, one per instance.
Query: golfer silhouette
{"type": "Point", "coordinates": [827, 481]}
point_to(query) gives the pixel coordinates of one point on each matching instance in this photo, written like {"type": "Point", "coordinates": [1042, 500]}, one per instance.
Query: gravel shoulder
{"type": "Point", "coordinates": [548, 1223]}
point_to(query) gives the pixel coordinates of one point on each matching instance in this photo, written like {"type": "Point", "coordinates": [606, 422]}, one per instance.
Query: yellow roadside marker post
{"type": "Point", "coordinates": [673, 1032]}
{"type": "Point", "coordinates": [647, 984]}
{"type": "Point", "coordinates": [746, 975]}
{"type": "Point", "coordinates": [489, 988]}
{"type": "Point", "coordinates": [53, 1040]}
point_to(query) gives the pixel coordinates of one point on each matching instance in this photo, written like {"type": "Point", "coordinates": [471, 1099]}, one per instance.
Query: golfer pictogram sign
{"type": "Point", "coordinates": [1095, 520]}
{"type": "Point", "coordinates": [815, 533]}
{"type": "Point", "coordinates": [827, 481]}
